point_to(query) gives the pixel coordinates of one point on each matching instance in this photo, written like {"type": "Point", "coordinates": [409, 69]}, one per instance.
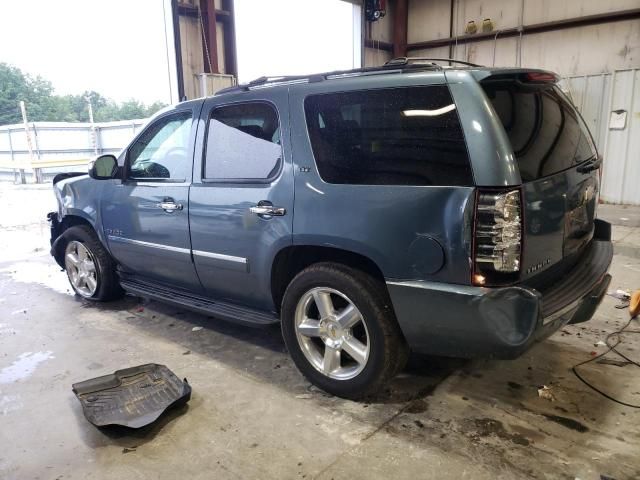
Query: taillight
{"type": "Point", "coordinates": [498, 237]}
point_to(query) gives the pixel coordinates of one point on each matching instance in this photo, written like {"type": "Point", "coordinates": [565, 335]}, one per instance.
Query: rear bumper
{"type": "Point", "coordinates": [465, 321]}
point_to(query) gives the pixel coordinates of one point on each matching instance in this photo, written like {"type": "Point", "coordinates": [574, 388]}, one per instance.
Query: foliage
{"type": "Point", "coordinates": [43, 105]}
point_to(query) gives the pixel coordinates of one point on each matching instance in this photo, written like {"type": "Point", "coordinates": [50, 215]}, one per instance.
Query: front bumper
{"type": "Point", "coordinates": [55, 229]}
{"type": "Point", "coordinates": [465, 321]}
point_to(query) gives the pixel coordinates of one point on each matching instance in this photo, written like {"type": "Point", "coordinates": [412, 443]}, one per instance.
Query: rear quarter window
{"type": "Point", "coordinates": [399, 136]}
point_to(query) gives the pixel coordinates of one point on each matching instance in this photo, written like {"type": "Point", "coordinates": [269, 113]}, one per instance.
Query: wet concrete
{"type": "Point", "coordinates": [252, 415]}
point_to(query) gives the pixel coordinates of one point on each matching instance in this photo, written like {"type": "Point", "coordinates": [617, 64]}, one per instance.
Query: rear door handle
{"type": "Point", "coordinates": [169, 205]}
{"type": "Point", "coordinates": [266, 209]}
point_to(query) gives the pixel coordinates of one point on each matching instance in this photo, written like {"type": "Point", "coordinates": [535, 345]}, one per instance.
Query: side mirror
{"type": "Point", "coordinates": [104, 167]}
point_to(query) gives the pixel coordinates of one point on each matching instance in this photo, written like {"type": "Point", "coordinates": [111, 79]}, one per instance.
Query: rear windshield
{"type": "Point", "coordinates": [394, 136]}
{"type": "Point", "coordinates": [545, 131]}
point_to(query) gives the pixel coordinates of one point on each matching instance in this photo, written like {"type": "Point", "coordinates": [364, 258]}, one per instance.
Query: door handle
{"type": "Point", "coordinates": [169, 205]}
{"type": "Point", "coordinates": [266, 209]}
{"type": "Point", "coordinates": [590, 166]}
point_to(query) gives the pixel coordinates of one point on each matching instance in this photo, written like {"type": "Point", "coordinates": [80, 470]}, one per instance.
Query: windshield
{"type": "Point", "coordinates": [546, 132]}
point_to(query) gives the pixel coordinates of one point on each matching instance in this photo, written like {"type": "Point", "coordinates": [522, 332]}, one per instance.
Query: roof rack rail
{"type": "Point", "coordinates": [403, 61]}
{"type": "Point", "coordinates": [318, 77]}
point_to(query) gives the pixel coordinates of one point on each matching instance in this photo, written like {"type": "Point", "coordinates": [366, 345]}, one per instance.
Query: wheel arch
{"type": "Point", "coordinates": [291, 260]}
{"type": "Point", "coordinates": [58, 245]}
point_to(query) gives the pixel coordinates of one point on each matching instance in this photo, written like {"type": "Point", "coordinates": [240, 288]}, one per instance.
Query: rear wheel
{"type": "Point", "coordinates": [341, 331]}
{"type": "Point", "coordinates": [89, 266]}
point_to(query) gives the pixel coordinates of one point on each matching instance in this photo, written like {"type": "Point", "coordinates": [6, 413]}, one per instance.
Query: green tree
{"type": "Point", "coordinates": [14, 86]}
{"type": "Point", "coordinates": [44, 105]}
{"type": "Point", "coordinates": [154, 107]}
{"type": "Point", "coordinates": [131, 109]}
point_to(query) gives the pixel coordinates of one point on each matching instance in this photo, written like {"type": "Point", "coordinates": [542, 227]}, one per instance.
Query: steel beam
{"type": "Point", "coordinates": [378, 45]}
{"type": "Point", "coordinates": [400, 18]}
{"type": "Point", "coordinates": [177, 45]}
{"type": "Point", "coordinates": [210, 49]}
{"type": "Point", "coordinates": [230, 55]}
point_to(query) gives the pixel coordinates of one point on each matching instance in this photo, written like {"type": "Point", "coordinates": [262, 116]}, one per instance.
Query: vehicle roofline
{"type": "Point", "coordinates": [278, 82]}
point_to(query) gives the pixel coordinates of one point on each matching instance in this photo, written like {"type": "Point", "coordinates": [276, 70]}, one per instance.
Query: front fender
{"type": "Point", "coordinates": [79, 202]}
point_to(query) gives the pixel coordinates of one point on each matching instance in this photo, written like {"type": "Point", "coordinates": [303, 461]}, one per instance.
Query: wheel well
{"type": "Point", "coordinates": [67, 222]}
{"type": "Point", "coordinates": [292, 260]}
{"type": "Point", "coordinates": [73, 220]}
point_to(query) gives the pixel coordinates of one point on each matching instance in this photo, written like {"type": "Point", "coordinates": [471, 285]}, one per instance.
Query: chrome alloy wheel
{"type": "Point", "coordinates": [332, 333]}
{"type": "Point", "coordinates": [81, 269]}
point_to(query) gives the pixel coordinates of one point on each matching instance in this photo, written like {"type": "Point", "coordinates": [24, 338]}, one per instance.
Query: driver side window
{"type": "Point", "coordinates": [162, 151]}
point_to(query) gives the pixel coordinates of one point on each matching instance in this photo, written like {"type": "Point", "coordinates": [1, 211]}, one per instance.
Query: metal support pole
{"type": "Point", "coordinates": [177, 45]}
{"type": "Point", "coordinates": [37, 171]}
{"type": "Point", "coordinates": [98, 131]}
{"type": "Point", "coordinates": [520, 29]}
{"type": "Point", "coordinates": [27, 132]}
{"type": "Point", "coordinates": [94, 142]}
{"type": "Point", "coordinates": [204, 91]}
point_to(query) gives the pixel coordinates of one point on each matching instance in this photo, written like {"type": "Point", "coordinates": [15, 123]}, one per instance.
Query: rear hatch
{"type": "Point", "coordinates": [559, 168]}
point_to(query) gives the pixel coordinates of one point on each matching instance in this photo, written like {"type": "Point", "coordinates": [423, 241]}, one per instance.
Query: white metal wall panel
{"type": "Point", "coordinates": [590, 93]}
{"type": "Point", "coordinates": [112, 138]}
{"type": "Point", "coordinates": [63, 141]}
{"type": "Point", "coordinates": [613, 169]}
{"type": "Point", "coordinates": [60, 138]}
{"type": "Point", "coordinates": [631, 184]}
{"type": "Point", "coordinates": [621, 172]}
{"type": "Point", "coordinates": [596, 96]}
{"type": "Point", "coordinates": [18, 138]}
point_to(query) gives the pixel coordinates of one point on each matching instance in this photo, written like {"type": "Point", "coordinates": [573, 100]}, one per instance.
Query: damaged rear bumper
{"type": "Point", "coordinates": [466, 321]}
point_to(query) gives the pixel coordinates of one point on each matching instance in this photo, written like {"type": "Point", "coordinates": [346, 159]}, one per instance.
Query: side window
{"type": "Point", "coordinates": [162, 151]}
{"type": "Point", "coordinates": [399, 136]}
{"type": "Point", "coordinates": [243, 143]}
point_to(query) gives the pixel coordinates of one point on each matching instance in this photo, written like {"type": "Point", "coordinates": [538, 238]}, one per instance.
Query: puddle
{"type": "Point", "coordinates": [568, 422]}
{"type": "Point", "coordinates": [5, 329]}
{"type": "Point", "coordinates": [24, 366]}
{"type": "Point", "coordinates": [45, 274]}
{"type": "Point", "coordinates": [9, 403]}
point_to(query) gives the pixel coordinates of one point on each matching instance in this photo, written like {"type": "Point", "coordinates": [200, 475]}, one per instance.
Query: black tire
{"type": "Point", "coordinates": [388, 350]}
{"type": "Point", "coordinates": [108, 286]}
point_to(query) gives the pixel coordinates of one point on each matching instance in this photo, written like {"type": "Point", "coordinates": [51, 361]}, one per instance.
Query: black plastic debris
{"type": "Point", "coordinates": [132, 397]}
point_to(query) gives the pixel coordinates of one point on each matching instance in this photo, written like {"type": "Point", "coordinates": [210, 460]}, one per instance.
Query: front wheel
{"type": "Point", "coordinates": [89, 266]}
{"type": "Point", "coordinates": [341, 331]}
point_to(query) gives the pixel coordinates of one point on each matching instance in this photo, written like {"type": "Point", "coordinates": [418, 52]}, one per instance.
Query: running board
{"type": "Point", "coordinates": [225, 311]}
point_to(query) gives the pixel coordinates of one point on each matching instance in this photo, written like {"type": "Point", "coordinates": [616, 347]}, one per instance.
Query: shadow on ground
{"type": "Point", "coordinates": [261, 352]}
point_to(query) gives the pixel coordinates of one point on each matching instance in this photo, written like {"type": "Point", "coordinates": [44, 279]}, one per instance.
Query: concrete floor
{"type": "Point", "coordinates": [252, 415]}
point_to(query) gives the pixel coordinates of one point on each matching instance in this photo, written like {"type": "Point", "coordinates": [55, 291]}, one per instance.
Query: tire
{"type": "Point", "coordinates": [313, 338]}
{"type": "Point", "coordinates": [84, 256]}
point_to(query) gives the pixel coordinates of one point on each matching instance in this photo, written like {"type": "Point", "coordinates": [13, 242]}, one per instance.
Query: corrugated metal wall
{"type": "Point", "coordinates": [62, 143]}
{"type": "Point", "coordinates": [597, 96]}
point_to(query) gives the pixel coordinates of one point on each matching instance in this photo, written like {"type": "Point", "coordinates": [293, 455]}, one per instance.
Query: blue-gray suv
{"type": "Point", "coordinates": [414, 206]}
